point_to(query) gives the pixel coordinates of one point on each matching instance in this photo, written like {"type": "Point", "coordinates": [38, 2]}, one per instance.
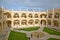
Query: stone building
{"type": "Point", "coordinates": [20, 19]}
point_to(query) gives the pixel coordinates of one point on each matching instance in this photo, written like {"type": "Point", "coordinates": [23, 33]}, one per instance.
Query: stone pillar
{"type": "Point", "coordinates": [47, 18]}
{"type": "Point", "coordinates": [53, 17]}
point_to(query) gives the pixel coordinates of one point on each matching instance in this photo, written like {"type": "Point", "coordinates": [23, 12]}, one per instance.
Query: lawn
{"type": "Point", "coordinates": [53, 39]}
{"type": "Point", "coordinates": [17, 36]}
{"type": "Point", "coordinates": [29, 29]}
{"type": "Point", "coordinates": [50, 31]}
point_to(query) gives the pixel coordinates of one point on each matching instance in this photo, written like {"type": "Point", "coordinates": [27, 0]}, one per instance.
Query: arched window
{"type": "Point", "coordinates": [31, 21]}
{"type": "Point", "coordinates": [56, 15]}
{"type": "Point", "coordinates": [8, 15]}
{"type": "Point", "coordinates": [36, 21]}
{"type": "Point", "coordinates": [30, 15]}
{"type": "Point", "coordinates": [56, 23]}
{"type": "Point", "coordinates": [24, 22]}
{"type": "Point", "coordinates": [16, 22]}
{"type": "Point", "coordinates": [36, 15]}
{"type": "Point", "coordinates": [23, 15]}
{"type": "Point", "coordinates": [16, 15]}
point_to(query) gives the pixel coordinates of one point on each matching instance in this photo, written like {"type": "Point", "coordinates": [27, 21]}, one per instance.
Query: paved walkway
{"type": "Point", "coordinates": [28, 33]}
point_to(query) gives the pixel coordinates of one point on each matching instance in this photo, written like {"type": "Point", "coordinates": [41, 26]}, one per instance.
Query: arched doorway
{"type": "Point", "coordinates": [8, 23]}
{"type": "Point", "coordinates": [43, 22]}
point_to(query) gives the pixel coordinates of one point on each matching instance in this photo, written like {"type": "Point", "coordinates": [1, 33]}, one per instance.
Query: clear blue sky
{"type": "Point", "coordinates": [42, 4]}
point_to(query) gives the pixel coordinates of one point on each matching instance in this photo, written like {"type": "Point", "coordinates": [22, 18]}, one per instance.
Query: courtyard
{"type": "Point", "coordinates": [41, 33]}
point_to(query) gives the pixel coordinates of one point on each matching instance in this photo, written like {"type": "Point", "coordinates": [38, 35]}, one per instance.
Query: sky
{"type": "Point", "coordinates": [38, 4]}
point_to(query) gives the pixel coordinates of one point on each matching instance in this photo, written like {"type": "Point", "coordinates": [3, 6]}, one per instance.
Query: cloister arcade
{"type": "Point", "coordinates": [31, 18]}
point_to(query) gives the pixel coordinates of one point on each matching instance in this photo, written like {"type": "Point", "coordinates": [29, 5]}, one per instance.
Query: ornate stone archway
{"type": "Point", "coordinates": [37, 21]}
{"type": "Point", "coordinates": [36, 15]}
{"type": "Point", "coordinates": [30, 15]}
{"type": "Point", "coordinates": [16, 22]}
{"type": "Point", "coordinates": [23, 15]}
{"type": "Point", "coordinates": [48, 22]}
{"type": "Point", "coordinates": [56, 23]}
{"type": "Point", "coordinates": [7, 14]}
{"type": "Point", "coordinates": [43, 22]}
{"type": "Point", "coordinates": [31, 22]}
{"type": "Point", "coordinates": [16, 15]}
{"type": "Point", "coordinates": [23, 22]}
{"type": "Point", "coordinates": [43, 15]}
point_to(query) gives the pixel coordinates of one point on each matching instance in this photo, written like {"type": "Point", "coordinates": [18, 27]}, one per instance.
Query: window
{"type": "Point", "coordinates": [23, 15]}
{"type": "Point", "coordinates": [16, 15]}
